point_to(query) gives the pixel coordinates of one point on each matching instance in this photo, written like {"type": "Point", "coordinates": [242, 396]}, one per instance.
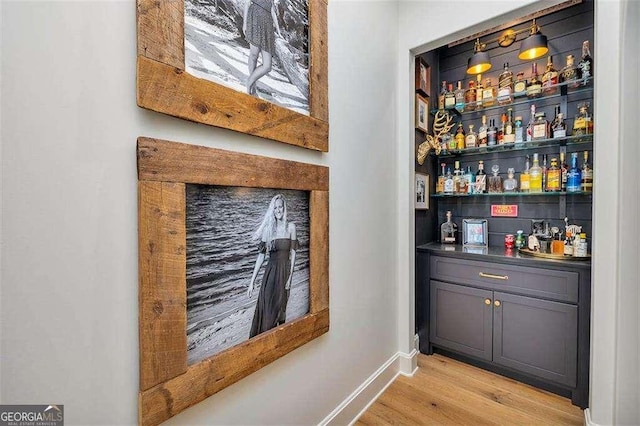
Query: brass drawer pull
{"type": "Point", "coordinates": [487, 301]}
{"type": "Point", "coordinates": [497, 277]}
{"type": "Point", "coordinates": [497, 303]}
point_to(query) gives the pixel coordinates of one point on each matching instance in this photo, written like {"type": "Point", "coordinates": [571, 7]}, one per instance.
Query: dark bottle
{"type": "Point", "coordinates": [564, 170]}
{"type": "Point", "coordinates": [586, 63]}
{"type": "Point", "coordinates": [544, 173]}
{"type": "Point", "coordinates": [492, 133]}
{"type": "Point", "coordinates": [481, 179]}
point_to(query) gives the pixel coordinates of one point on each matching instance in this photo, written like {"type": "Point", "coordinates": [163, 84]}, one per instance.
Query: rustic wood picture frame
{"type": "Point", "coordinates": [423, 77]}
{"type": "Point", "coordinates": [164, 86]}
{"type": "Point", "coordinates": [167, 384]}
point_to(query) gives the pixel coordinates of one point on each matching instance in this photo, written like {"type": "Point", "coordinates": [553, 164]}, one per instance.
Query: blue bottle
{"type": "Point", "coordinates": [574, 175]}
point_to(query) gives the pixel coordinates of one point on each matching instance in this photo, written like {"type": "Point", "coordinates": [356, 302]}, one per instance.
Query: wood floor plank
{"type": "Point", "coordinates": [448, 392]}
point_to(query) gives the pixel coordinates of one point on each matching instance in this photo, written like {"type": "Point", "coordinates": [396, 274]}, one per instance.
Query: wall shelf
{"type": "Point", "coordinates": [513, 194]}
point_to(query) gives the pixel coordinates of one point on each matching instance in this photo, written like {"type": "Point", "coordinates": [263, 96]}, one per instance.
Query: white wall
{"type": "Point", "coordinates": [69, 221]}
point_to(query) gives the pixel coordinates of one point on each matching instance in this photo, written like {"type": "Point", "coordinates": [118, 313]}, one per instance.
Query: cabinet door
{"type": "Point", "coordinates": [461, 318]}
{"type": "Point", "coordinates": [536, 336]}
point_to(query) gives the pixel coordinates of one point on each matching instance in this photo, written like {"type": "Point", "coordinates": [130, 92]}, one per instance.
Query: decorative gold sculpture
{"type": "Point", "coordinates": [442, 123]}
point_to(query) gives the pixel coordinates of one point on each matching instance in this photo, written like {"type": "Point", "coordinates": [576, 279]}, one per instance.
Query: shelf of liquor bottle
{"type": "Point", "coordinates": [520, 146]}
{"type": "Point", "coordinates": [514, 194]}
{"type": "Point", "coordinates": [561, 89]}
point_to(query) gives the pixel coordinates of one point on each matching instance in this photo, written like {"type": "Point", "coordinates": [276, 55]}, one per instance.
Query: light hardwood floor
{"type": "Point", "coordinates": [446, 391]}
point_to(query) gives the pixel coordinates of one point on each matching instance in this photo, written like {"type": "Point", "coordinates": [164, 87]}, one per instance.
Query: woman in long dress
{"type": "Point", "coordinates": [277, 238]}
{"type": "Point", "coordinates": [260, 23]}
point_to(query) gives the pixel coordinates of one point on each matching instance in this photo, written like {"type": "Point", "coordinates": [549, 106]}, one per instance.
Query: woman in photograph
{"type": "Point", "coordinates": [277, 238]}
{"type": "Point", "coordinates": [260, 20]}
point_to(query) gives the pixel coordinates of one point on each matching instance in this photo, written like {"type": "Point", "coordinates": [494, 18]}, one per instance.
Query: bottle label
{"type": "Point", "coordinates": [481, 183]}
{"type": "Point", "coordinates": [560, 133]}
{"type": "Point", "coordinates": [520, 86]}
{"type": "Point", "coordinates": [509, 138]}
{"type": "Point", "coordinates": [470, 141]}
{"type": "Point", "coordinates": [524, 182]}
{"type": "Point", "coordinates": [449, 102]}
{"type": "Point", "coordinates": [519, 134]}
{"type": "Point", "coordinates": [448, 186]}
{"type": "Point", "coordinates": [534, 89]}
{"type": "Point", "coordinates": [487, 94]}
{"type": "Point", "coordinates": [540, 131]}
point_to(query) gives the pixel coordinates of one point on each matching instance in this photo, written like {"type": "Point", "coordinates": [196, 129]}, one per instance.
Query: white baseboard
{"type": "Point", "coordinates": [587, 418]}
{"type": "Point", "coordinates": [357, 403]}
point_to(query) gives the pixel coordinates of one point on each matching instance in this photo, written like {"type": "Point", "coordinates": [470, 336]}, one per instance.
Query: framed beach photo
{"type": "Point", "coordinates": [422, 191]}
{"type": "Point", "coordinates": [474, 232]}
{"type": "Point", "coordinates": [422, 113]}
{"type": "Point", "coordinates": [233, 268]}
{"type": "Point", "coordinates": [256, 66]}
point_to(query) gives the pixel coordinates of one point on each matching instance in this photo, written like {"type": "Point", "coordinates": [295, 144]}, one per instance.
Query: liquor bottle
{"type": "Point", "coordinates": [586, 63]}
{"type": "Point", "coordinates": [508, 131]}
{"type": "Point", "coordinates": [583, 123]}
{"type": "Point", "coordinates": [532, 119]}
{"type": "Point", "coordinates": [457, 178]}
{"type": "Point", "coordinates": [525, 178]}
{"type": "Point", "coordinates": [482, 132]}
{"type": "Point", "coordinates": [544, 173]}
{"type": "Point", "coordinates": [481, 179]}
{"type": "Point", "coordinates": [479, 89]}
{"type": "Point", "coordinates": [495, 181]}
{"type": "Point", "coordinates": [510, 184]}
{"type": "Point", "coordinates": [586, 182]}
{"type": "Point", "coordinates": [441, 95]}
{"type": "Point", "coordinates": [540, 127]}
{"type": "Point", "coordinates": [570, 74]}
{"type": "Point", "coordinates": [554, 176]}
{"type": "Point", "coordinates": [505, 86]}
{"type": "Point", "coordinates": [520, 85]}
{"type": "Point", "coordinates": [535, 175]}
{"type": "Point", "coordinates": [449, 98]}
{"type": "Point", "coordinates": [488, 94]}
{"type": "Point", "coordinates": [573, 175]}
{"type": "Point", "coordinates": [440, 182]}
{"type": "Point", "coordinates": [549, 79]}
{"type": "Point", "coordinates": [564, 169]}
{"type": "Point", "coordinates": [470, 97]}
{"type": "Point", "coordinates": [471, 141]}
{"type": "Point", "coordinates": [460, 135]}
{"type": "Point", "coordinates": [459, 97]}
{"type": "Point", "coordinates": [500, 133]}
{"type": "Point", "coordinates": [518, 130]}
{"type": "Point", "coordinates": [568, 245]}
{"type": "Point", "coordinates": [448, 230]}
{"type": "Point", "coordinates": [558, 126]}
{"type": "Point", "coordinates": [469, 177]}
{"type": "Point", "coordinates": [448, 182]}
{"type": "Point", "coordinates": [534, 89]}
{"type": "Point", "coordinates": [491, 133]}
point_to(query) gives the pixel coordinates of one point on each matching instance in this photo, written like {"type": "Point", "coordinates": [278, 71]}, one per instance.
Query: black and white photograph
{"type": "Point", "coordinates": [422, 191]}
{"type": "Point", "coordinates": [259, 47]}
{"type": "Point", "coordinates": [247, 264]}
{"type": "Point", "coordinates": [422, 113]}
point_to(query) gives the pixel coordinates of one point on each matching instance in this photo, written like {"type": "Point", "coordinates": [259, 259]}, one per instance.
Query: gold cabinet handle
{"type": "Point", "coordinates": [497, 277]}
{"type": "Point", "coordinates": [487, 301]}
{"type": "Point", "coordinates": [497, 303]}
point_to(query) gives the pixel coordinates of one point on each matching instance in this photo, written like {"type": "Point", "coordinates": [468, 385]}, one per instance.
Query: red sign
{"type": "Point", "coordinates": [504, 210]}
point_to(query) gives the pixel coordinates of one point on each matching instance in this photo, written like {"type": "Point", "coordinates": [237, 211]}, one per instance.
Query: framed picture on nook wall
{"type": "Point", "coordinates": [422, 113]}
{"type": "Point", "coordinates": [474, 232]}
{"type": "Point", "coordinates": [422, 191]}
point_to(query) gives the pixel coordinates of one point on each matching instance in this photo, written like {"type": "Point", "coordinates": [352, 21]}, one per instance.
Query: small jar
{"type": "Point", "coordinates": [520, 240]}
{"type": "Point", "coordinates": [509, 241]}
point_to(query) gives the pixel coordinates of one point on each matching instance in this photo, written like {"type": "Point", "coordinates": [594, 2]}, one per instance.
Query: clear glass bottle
{"type": "Point", "coordinates": [460, 135]}
{"type": "Point", "coordinates": [554, 176]}
{"type": "Point", "coordinates": [459, 96]}
{"type": "Point", "coordinates": [470, 97]}
{"type": "Point", "coordinates": [518, 130]}
{"type": "Point", "coordinates": [442, 94]}
{"type": "Point", "coordinates": [440, 181]}
{"type": "Point", "coordinates": [535, 175]}
{"type": "Point", "coordinates": [505, 86]}
{"type": "Point", "coordinates": [481, 179]}
{"type": "Point", "coordinates": [574, 175]}
{"type": "Point", "coordinates": [534, 89]}
{"type": "Point", "coordinates": [448, 182]}
{"type": "Point", "coordinates": [525, 178]}
{"type": "Point", "coordinates": [471, 140]}
{"type": "Point", "coordinates": [583, 123]}
{"type": "Point", "coordinates": [482, 132]}
{"type": "Point", "coordinates": [470, 178]}
{"type": "Point", "coordinates": [532, 119]}
{"type": "Point", "coordinates": [540, 127]}
{"type": "Point", "coordinates": [549, 79]}
{"type": "Point", "coordinates": [449, 98]}
{"type": "Point", "coordinates": [564, 169]}
{"type": "Point", "coordinates": [489, 94]}
{"type": "Point", "coordinates": [457, 178]}
{"type": "Point", "coordinates": [520, 85]}
{"type": "Point", "coordinates": [448, 230]}
{"type": "Point", "coordinates": [586, 182]}
{"type": "Point", "coordinates": [508, 130]}
{"type": "Point", "coordinates": [570, 73]}
{"type": "Point", "coordinates": [495, 181]}
{"type": "Point", "coordinates": [510, 184]}
{"type": "Point", "coordinates": [492, 133]}
{"type": "Point", "coordinates": [586, 64]}
{"type": "Point", "coordinates": [479, 89]}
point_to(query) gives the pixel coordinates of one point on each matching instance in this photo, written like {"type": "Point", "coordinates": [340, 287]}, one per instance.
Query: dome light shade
{"type": "Point", "coordinates": [479, 63]}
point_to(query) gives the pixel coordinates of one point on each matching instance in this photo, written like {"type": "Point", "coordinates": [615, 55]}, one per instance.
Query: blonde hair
{"type": "Point", "coordinates": [267, 227]}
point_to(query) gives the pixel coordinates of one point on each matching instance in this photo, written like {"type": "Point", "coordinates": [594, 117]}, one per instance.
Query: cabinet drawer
{"type": "Point", "coordinates": [539, 282]}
